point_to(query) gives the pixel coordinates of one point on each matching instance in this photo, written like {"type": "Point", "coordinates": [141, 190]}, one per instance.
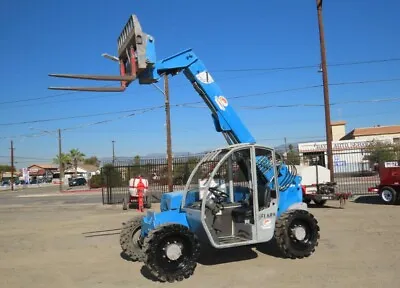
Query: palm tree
{"type": "Point", "coordinates": [65, 161]}
{"type": "Point", "coordinates": [76, 157]}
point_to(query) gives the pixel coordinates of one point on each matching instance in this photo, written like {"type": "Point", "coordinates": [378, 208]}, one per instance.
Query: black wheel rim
{"type": "Point", "coordinates": [136, 237]}
{"type": "Point", "coordinates": [302, 234]}
{"type": "Point", "coordinates": [164, 258]}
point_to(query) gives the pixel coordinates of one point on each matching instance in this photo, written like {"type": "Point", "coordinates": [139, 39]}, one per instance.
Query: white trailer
{"type": "Point", "coordinates": [317, 186]}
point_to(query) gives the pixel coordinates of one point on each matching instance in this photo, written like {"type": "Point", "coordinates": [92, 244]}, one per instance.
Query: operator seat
{"type": "Point", "coordinates": [245, 212]}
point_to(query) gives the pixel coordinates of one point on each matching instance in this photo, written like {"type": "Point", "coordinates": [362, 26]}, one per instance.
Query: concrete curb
{"type": "Point", "coordinates": [81, 191]}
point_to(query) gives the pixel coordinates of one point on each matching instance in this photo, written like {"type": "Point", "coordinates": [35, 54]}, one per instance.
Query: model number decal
{"type": "Point", "coordinates": [267, 215]}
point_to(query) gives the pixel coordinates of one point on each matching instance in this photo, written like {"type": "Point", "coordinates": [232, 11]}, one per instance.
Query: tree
{"type": "Point", "coordinates": [65, 161]}
{"type": "Point", "coordinates": [378, 151]}
{"type": "Point", "coordinates": [111, 176]}
{"type": "Point", "coordinates": [136, 160]}
{"type": "Point", "coordinates": [76, 158]}
{"type": "Point", "coordinates": [92, 161]}
{"type": "Point", "coordinates": [182, 170]}
{"type": "Point", "coordinates": [292, 156]}
{"type": "Point", "coordinates": [5, 168]}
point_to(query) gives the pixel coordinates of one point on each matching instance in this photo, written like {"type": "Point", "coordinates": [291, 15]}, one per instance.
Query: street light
{"type": "Point", "coordinates": [113, 153]}
{"type": "Point", "coordinates": [110, 57]}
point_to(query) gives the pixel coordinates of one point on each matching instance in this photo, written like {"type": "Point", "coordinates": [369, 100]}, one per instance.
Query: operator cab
{"type": "Point", "coordinates": [230, 195]}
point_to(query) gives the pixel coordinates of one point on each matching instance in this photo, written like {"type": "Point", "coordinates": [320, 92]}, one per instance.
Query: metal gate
{"type": "Point", "coordinates": [114, 178]}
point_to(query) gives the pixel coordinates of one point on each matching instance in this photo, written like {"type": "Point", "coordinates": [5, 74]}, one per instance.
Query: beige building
{"type": "Point", "coordinates": [377, 132]}
{"type": "Point", "coordinates": [338, 130]}
{"type": "Point", "coordinates": [348, 149]}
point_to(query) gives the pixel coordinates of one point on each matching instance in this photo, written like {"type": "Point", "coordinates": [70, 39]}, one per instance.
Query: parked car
{"type": "Point", "coordinates": [77, 182]}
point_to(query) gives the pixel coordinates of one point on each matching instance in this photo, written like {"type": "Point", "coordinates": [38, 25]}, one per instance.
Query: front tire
{"type": "Point", "coordinates": [171, 252]}
{"type": "Point", "coordinates": [129, 237]}
{"type": "Point", "coordinates": [388, 195]}
{"type": "Point", "coordinates": [297, 234]}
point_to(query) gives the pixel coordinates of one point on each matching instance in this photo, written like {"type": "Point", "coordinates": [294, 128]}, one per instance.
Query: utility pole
{"type": "Point", "coordinates": [326, 90]}
{"type": "Point", "coordinates": [12, 166]}
{"type": "Point", "coordinates": [113, 153]}
{"type": "Point", "coordinates": [168, 124]}
{"type": "Point", "coordinates": [285, 148]}
{"type": "Point", "coordinates": [285, 144]}
{"type": "Point", "coordinates": [60, 164]}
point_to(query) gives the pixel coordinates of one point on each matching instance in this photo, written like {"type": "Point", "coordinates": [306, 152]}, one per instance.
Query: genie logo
{"type": "Point", "coordinates": [222, 102]}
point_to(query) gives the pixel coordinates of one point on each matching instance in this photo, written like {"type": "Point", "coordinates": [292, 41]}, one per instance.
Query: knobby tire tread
{"type": "Point", "coordinates": [282, 237]}
{"type": "Point", "coordinates": [150, 245]}
{"type": "Point", "coordinates": [128, 247]}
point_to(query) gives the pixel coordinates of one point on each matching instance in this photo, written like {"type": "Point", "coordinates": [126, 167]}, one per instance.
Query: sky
{"type": "Point", "coordinates": [251, 38]}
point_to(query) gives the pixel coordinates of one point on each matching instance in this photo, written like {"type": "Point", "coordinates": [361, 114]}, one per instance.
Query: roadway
{"type": "Point", "coordinates": [48, 195]}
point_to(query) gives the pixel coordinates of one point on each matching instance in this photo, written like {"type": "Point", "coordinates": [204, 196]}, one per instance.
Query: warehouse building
{"type": "Point", "coordinates": [348, 149]}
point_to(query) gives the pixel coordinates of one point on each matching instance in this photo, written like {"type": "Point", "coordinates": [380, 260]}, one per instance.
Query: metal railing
{"type": "Point", "coordinates": [354, 172]}
{"type": "Point", "coordinates": [114, 179]}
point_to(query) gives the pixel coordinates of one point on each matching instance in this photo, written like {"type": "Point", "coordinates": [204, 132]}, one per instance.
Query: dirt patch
{"type": "Point", "coordinates": [78, 246]}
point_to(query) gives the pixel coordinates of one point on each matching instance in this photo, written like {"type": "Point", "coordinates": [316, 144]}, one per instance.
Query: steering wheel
{"type": "Point", "coordinates": [221, 195]}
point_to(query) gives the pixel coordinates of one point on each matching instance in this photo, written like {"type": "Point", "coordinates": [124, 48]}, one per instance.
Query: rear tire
{"type": "Point", "coordinates": [125, 203]}
{"type": "Point", "coordinates": [129, 238]}
{"type": "Point", "coordinates": [171, 252]}
{"type": "Point", "coordinates": [297, 234]}
{"type": "Point", "coordinates": [319, 203]}
{"type": "Point", "coordinates": [388, 195]}
{"type": "Point", "coordinates": [147, 204]}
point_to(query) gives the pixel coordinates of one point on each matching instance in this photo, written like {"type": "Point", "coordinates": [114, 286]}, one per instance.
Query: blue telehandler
{"type": "Point", "coordinates": [241, 194]}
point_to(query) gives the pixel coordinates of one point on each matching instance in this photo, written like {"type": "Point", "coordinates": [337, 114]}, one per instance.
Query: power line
{"type": "Point", "coordinates": [75, 117]}
{"type": "Point", "coordinates": [301, 88]}
{"type": "Point", "coordinates": [133, 114]}
{"type": "Point", "coordinates": [303, 105]}
{"type": "Point", "coordinates": [81, 125]}
{"type": "Point", "coordinates": [24, 157]}
{"type": "Point", "coordinates": [46, 97]}
{"type": "Point", "coordinates": [307, 66]}
{"type": "Point", "coordinates": [188, 105]}
{"type": "Point", "coordinates": [62, 101]}
{"type": "Point", "coordinates": [221, 70]}
{"type": "Point", "coordinates": [151, 109]}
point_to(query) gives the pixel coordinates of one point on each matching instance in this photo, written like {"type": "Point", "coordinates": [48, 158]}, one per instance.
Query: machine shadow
{"type": "Point", "coordinates": [100, 233]}
{"type": "Point", "coordinates": [147, 274]}
{"type": "Point", "coordinates": [369, 199]}
{"type": "Point", "coordinates": [270, 248]}
{"type": "Point", "coordinates": [314, 206]}
{"type": "Point", "coordinates": [210, 256]}
{"type": "Point", "coordinates": [125, 256]}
